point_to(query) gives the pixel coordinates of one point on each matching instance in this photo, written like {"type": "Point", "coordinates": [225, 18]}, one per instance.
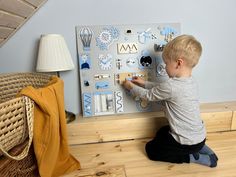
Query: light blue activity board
{"type": "Point", "coordinates": [109, 54]}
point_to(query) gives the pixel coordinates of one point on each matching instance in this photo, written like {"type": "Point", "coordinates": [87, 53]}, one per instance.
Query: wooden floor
{"type": "Point", "coordinates": [128, 159]}
{"type": "Point", "coordinates": [113, 146]}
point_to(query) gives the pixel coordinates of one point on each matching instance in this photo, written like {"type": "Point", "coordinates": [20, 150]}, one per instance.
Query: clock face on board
{"type": "Point", "coordinates": [105, 61]}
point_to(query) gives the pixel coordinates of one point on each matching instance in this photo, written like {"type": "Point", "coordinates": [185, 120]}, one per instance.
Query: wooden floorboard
{"type": "Point", "coordinates": [128, 158]}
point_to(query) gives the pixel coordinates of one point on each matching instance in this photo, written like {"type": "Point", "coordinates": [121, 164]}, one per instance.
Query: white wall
{"type": "Point", "coordinates": [211, 21]}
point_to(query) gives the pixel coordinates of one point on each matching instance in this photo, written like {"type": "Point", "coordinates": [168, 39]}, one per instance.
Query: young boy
{"type": "Point", "coordinates": [183, 140]}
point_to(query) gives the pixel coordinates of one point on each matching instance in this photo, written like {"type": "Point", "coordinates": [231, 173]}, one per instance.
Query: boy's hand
{"type": "Point", "coordinates": [138, 80]}
{"type": "Point", "coordinates": [127, 84]}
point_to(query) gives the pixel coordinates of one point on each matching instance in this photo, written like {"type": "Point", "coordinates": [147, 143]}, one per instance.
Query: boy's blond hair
{"type": "Point", "coordinates": [185, 47]}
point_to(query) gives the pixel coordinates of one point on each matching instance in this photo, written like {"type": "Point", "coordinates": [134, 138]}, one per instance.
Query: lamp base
{"type": "Point", "coordinates": [70, 117]}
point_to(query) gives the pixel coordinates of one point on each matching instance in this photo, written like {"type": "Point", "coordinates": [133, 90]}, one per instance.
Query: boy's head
{"type": "Point", "coordinates": [184, 47]}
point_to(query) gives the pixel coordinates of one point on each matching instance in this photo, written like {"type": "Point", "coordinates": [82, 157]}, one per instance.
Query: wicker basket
{"type": "Point", "coordinates": [16, 124]}
{"type": "Point", "coordinates": [11, 84]}
{"type": "Point", "coordinates": [22, 168]}
{"type": "Point", "coordinates": [13, 108]}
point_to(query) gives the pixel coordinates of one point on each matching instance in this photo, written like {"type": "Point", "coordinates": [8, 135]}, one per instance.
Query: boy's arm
{"type": "Point", "coordinates": [161, 91]}
{"type": "Point", "coordinates": [149, 84]}
{"type": "Point", "coordinates": [142, 83]}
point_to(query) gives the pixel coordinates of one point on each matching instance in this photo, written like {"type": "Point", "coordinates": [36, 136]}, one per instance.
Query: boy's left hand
{"type": "Point", "coordinates": [128, 84]}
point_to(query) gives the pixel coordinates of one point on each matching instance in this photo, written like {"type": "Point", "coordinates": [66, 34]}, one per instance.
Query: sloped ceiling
{"type": "Point", "coordinates": [13, 14]}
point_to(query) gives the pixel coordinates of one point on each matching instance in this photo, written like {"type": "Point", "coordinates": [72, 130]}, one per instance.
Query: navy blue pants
{"type": "Point", "coordinates": [165, 148]}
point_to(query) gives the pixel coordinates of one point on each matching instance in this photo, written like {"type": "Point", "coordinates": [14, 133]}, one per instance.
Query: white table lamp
{"type": "Point", "coordinates": [53, 54]}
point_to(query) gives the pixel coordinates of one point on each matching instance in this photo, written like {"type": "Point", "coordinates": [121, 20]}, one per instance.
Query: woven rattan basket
{"type": "Point", "coordinates": [13, 112]}
{"type": "Point", "coordinates": [11, 84]}
{"type": "Point", "coordinates": [26, 167]}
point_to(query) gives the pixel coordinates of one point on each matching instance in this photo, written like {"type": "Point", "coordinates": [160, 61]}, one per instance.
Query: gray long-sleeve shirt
{"type": "Point", "coordinates": [180, 96]}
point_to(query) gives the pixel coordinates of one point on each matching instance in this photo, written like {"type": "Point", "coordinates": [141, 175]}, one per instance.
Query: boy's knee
{"type": "Point", "coordinates": [151, 151]}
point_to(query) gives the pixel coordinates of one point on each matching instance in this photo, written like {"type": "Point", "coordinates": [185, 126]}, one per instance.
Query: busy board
{"type": "Point", "coordinates": [109, 54]}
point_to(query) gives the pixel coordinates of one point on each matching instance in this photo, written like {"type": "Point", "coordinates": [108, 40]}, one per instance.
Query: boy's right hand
{"type": "Point", "coordinates": [138, 81]}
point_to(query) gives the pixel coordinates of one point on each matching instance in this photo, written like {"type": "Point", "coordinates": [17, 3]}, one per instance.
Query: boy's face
{"type": "Point", "coordinates": [171, 67]}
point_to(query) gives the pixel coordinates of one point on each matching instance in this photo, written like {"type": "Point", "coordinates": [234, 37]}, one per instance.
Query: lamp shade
{"type": "Point", "coordinates": [53, 54]}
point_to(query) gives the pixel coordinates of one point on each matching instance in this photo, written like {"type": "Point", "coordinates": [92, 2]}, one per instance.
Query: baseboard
{"type": "Point", "coordinates": [217, 117]}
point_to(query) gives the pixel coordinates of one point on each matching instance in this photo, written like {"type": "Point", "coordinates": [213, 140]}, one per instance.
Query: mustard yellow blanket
{"type": "Point", "coordinates": [50, 134]}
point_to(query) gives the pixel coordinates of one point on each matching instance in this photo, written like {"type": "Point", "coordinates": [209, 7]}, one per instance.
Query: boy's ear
{"type": "Point", "coordinates": [180, 62]}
